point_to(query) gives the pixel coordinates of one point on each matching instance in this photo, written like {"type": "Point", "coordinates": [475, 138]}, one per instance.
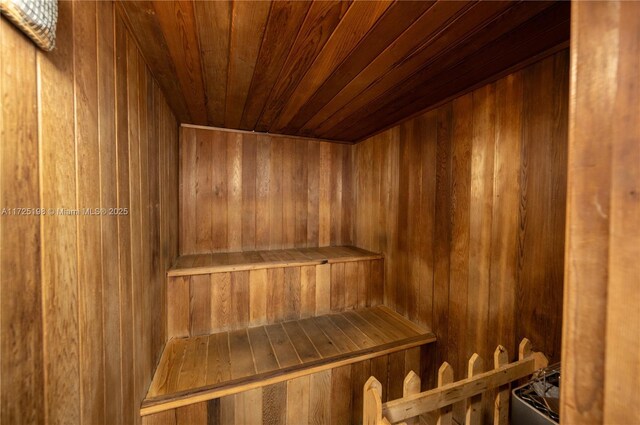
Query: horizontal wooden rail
{"type": "Point", "coordinates": [448, 393]}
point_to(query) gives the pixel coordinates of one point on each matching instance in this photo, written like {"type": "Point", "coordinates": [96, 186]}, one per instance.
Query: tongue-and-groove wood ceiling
{"type": "Point", "coordinates": [333, 69]}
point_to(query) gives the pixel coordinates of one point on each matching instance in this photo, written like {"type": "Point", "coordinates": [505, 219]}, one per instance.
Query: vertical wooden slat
{"type": "Point", "coordinates": [109, 223]}
{"type": "Point", "coordinates": [360, 373]}
{"type": "Point", "coordinates": [276, 199]}
{"type": "Point", "coordinates": [191, 414]}
{"type": "Point", "coordinates": [411, 386]}
{"type": "Point", "coordinates": [88, 196]}
{"type": "Point", "coordinates": [221, 299]}
{"type": "Point", "coordinates": [301, 192]}
{"type": "Point", "coordinates": [298, 391]}
{"type": "Point", "coordinates": [372, 405]}
{"type": "Point", "coordinates": [235, 184]}
{"type": "Point", "coordinates": [249, 171]}
{"type": "Point", "coordinates": [217, 216]}
{"type": "Point", "coordinates": [474, 404]}
{"type": "Point", "coordinates": [341, 395]}
{"type": "Point", "coordinates": [504, 252]}
{"type": "Point", "coordinates": [622, 365]}
{"type": "Point", "coordinates": [323, 288]}
{"type": "Point", "coordinates": [324, 190]}
{"type": "Point", "coordinates": [188, 189]}
{"type": "Point", "coordinates": [351, 284]}
{"type": "Point", "coordinates": [263, 176]}
{"type": "Point", "coordinates": [292, 293]}
{"type": "Point", "coordinates": [307, 291]}
{"type": "Point", "coordinates": [22, 284]}
{"type": "Point", "coordinates": [288, 193]}
{"type": "Point", "coordinates": [258, 282]}
{"type": "Point", "coordinates": [481, 205]}
{"type": "Point", "coordinates": [240, 299]}
{"type": "Point", "coordinates": [200, 304]}
{"type": "Point", "coordinates": [274, 404]}
{"type": "Point", "coordinates": [124, 226]}
{"type": "Point", "coordinates": [319, 408]}
{"type": "Point", "coordinates": [313, 194]}
{"type": "Point", "coordinates": [247, 409]}
{"type": "Point", "coordinates": [501, 401]}
{"type": "Point", "coordinates": [445, 376]}
{"type": "Point", "coordinates": [59, 258]}
{"type": "Point", "coordinates": [275, 295]}
{"type": "Point", "coordinates": [338, 286]}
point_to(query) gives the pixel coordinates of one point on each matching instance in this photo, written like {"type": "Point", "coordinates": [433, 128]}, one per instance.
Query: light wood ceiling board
{"type": "Point", "coordinates": [462, 25]}
{"type": "Point", "coordinates": [358, 20]}
{"type": "Point", "coordinates": [248, 22]}
{"type": "Point", "coordinates": [538, 35]}
{"type": "Point", "coordinates": [214, 28]}
{"type": "Point", "coordinates": [404, 46]}
{"type": "Point", "coordinates": [141, 16]}
{"type": "Point", "coordinates": [396, 19]}
{"type": "Point", "coordinates": [284, 23]}
{"type": "Point", "coordinates": [322, 18]}
{"type": "Point", "coordinates": [177, 20]}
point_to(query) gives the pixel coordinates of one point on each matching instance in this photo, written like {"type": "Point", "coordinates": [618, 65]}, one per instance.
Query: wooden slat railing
{"type": "Point", "coordinates": [437, 402]}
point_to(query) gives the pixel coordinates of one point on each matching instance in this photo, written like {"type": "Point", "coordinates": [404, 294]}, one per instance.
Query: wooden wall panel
{"type": "Point", "coordinates": [209, 303]}
{"type": "Point", "coordinates": [242, 191]}
{"type": "Point", "coordinates": [84, 127]}
{"type": "Point", "coordinates": [601, 336]}
{"type": "Point", "coordinates": [21, 346]}
{"type": "Point", "coordinates": [330, 397]}
{"type": "Point", "coordinates": [467, 203]}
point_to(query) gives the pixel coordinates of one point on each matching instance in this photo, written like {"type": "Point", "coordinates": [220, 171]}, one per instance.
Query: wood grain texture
{"type": "Point", "coordinates": [601, 269]}
{"type": "Point", "coordinates": [83, 127]}
{"type": "Point", "coordinates": [248, 23]}
{"type": "Point", "coordinates": [255, 294]}
{"type": "Point", "coordinates": [314, 398]}
{"type": "Point", "coordinates": [462, 176]}
{"type": "Point", "coordinates": [177, 23]}
{"type": "Point", "coordinates": [268, 372]}
{"type": "Point", "coordinates": [341, 69]}
{"type": "Point", "coordinates": [282, 203]}
{"type": "Point", "coordinates": [21, 278]}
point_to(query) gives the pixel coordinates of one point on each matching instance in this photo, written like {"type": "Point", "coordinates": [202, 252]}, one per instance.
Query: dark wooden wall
{"type": "Point", "coordinates": [601, 339]}
{"type": "Point", "coordinates": [467, 202]}
{"type": "Point", "coordinates": [242, 192]}
{"type": "Point", "coordinates": [84, 126]}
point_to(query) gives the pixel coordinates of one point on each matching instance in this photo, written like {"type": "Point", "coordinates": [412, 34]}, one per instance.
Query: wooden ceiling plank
{"type": "Point", "coordinates": [396, 19]}
{"type": "Point", "coordinates": [248, 23]}
{"type": "Point", "coordinates": [213, 19]}
{"type": "Point", "coordinates": [422, 30]}
{"type": "Point", "coordinates": [177, 21]}
{"type": "Point", "coordinates": [445, 41]}
{"type": "Point", "coordinates": [323, 17]}
{"type": "Point", "coordinates": [285, 21]}
{"type": "Point", "coordinates": [141, 17]}
{"type": "Point", "coordinates": [536, 36]}
{"type": "Point", "coordinates": [359, 19]}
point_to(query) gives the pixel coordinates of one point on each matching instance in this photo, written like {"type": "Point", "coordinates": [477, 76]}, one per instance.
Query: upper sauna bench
{"type": "Point", "coordinates": [189, 265]}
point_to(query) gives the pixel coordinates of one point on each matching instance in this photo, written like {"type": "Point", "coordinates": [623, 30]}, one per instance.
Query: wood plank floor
{"type": "Point", "coordinates": [188, 265]}
{"type": "Point", "coordinates": [202, 368]}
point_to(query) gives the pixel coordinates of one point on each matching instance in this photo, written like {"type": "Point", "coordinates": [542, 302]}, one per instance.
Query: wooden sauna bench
{"type": "Point", "coordinates": [201, 368]}
{"type": "Point", "coordinates": [189, 265]}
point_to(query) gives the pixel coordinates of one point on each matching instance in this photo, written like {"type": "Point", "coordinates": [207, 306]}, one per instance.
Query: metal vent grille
{"type": "Point", "coordinates": [36, 18]}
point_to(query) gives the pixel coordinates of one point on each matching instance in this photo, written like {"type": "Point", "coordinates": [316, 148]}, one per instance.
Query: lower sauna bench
{"type": "Point", "coordinates": [292, 372]}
